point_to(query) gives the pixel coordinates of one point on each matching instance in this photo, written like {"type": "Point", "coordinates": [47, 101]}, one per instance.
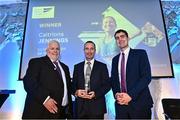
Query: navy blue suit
{"type": "Point", "coordinates": [138, 77]}
{"type": "Point", "coordinates": [99, 83]}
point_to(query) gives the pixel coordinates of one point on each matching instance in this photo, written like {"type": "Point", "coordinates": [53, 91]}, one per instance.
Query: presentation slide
{"type": "Point", "coordinates": [73, 22]}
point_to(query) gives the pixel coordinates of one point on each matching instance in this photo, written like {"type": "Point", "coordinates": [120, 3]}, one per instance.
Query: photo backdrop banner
{"type": "Point", "coordinates": [73, 23]}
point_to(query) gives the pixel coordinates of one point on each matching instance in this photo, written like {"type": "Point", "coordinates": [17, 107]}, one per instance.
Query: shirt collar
{"type": "Point", "coordinates": [126, 51]}
{"type": "Point", "coordinates": [91, 61]}
{"type": "Point", "coordinates": [54, 61]}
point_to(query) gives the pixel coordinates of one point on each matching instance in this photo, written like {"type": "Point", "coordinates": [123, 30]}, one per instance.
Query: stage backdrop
{"type": "Point", "coordinates": [12, 16]}
{"type": "Point", "coordinates": [74, 22]}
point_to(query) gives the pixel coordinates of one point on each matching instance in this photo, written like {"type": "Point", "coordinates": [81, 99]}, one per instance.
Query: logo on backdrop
{"type": "Point", "coordinates": [43, 12]}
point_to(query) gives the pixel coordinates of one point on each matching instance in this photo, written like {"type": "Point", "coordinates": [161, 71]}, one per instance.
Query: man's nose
{"type": "Point", "coordinates": [55, 51]}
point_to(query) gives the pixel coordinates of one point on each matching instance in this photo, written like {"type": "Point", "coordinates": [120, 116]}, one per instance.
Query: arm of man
{"type": "Point", "coordinates": [144, 77]}
{"type": "Point", "coordinates": [31, 81]}
{"type": "Point", "coordinates": [50, 105]}
{"type": "Point", "coordinates": [105, 83]}
{"type": "Point", "coordinates": [123, 98]}
{"type": "Point", "coordinates": [115, 77]}
{"type": "Point", "coordinates": [75, 81]}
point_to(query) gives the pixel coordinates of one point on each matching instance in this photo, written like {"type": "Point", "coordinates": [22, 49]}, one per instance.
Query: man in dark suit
{"type": "Point", "coordinates": [47, 83]}
{"type": "Point", "coordinates": [90, 84]}
{"type": "Point", "coordinates": [130, 77]}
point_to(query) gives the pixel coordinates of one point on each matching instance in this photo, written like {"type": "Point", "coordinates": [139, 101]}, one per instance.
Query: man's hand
{"type": "Point", "coordinates": [90, 95]}
{"type": "Point", "coordinates": [80, 93]}
{"type": "Point", "coordinates": [119, 98]}
{"type": "Point", "coordinates": [84, 94]}
{"type": "Point", "coordinates": [123, 98]}
{"type": "Point", "coordinates": [51, 105]}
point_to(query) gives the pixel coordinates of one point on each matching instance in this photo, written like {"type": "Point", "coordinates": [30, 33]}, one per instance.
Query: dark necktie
{"type": "Point", "coordinates": [123, 78]}
{"type": "Point", "coordinates": [87, 76]}
{"type": "Point", "coordinates": [58, 69]}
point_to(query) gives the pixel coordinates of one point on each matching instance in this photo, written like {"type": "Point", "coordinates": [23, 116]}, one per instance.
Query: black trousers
{"type": "Point", "coordinates": [89, 116]}
{"type": "Point", "coordinates": [87, 113]}
{"type": "Point", "coordinates": [62, 113]}
{"type": "Point", "coordinates": [127, 112]}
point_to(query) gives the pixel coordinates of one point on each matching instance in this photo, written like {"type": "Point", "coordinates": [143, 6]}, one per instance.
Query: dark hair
{"type": "Point", "coordinates": [90, 42]}
{"type": "Point", "coordinates": [119, 31]}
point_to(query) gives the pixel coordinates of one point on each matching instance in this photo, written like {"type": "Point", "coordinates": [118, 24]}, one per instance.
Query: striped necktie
{"type": "Point", "coordinates": [87, 76]}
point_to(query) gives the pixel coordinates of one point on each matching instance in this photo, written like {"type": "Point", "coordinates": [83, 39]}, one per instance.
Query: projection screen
{"type": "Point", "coordinates": [73, 22]}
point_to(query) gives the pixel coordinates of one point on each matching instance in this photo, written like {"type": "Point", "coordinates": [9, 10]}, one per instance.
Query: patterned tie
{"type": "Point", "coordinates": [58, 69]}
{"type": "Point", "coordinates": [87, 76]}
{"type": "Point", "coordinates": [123, 78]}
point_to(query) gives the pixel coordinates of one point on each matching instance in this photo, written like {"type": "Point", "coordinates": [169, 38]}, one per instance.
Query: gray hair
{"type": "Point", "coordinates": [53, 41]}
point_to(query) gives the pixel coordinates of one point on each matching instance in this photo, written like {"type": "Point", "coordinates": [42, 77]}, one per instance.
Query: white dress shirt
{"type": "Point", "coordinates": [65, 97]}
{"type": "Point", "coordinates": [85, 66]}
{"type": "Point", "coordinates": [126, 54]}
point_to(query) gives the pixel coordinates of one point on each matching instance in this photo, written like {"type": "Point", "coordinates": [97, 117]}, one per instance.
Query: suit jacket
{"type": "Point", "coordinates": [138, 77]}
{"type": "Point", "coordinates": [99, 83]}
{"type": "Point", "coordinates": [42, 80]}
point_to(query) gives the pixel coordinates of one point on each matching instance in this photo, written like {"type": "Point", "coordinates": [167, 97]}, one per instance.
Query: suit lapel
{"type": "Point", "coordinates": [63, 67]}
{"type": "Point", "coordinates": [116, 71]}
{"type": "Point", "coordinates": [94, 71]}
{"type": "Point", "coordinates": [129, 63]}
{"type": "Point", "coordinates": [116, 65]}
{"type": "Point", "coordinates": [81, 67]}
{"type": "Point", "coordinates": [49, 63]}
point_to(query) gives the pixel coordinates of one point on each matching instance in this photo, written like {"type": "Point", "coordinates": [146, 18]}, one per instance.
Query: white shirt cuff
{"type": "Point", "coordinates": [46, 100]}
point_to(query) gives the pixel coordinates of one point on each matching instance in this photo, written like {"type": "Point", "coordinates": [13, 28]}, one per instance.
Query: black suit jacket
{"type": "Point", "coordinates": [99, 83]}
{"type": "Point", "coordinates": [42, 80]}
{"type": "Point", "coordinates": [138, 77]}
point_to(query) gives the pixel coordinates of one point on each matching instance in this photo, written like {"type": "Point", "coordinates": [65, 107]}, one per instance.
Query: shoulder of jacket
{"type": "Point", "coordinates": [78, 64]}
{"type": "Point", "coordinates": [99, 62]}
{"type": "Point", "coordinates": [63, 64]}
